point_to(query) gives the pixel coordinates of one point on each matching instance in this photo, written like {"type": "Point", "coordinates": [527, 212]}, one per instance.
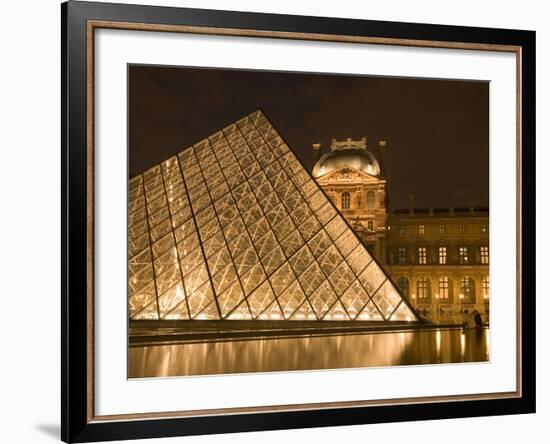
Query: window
{"type": "Point", "coordinates": [463, 255]}
{"type": "Point", "coordinates": [483, 228]}
{"type": "Point", "coordinates": [370, 199]}
{"type": "Point", "coordinates": [484, 254]}
{"type": "Point", "coordinates": [401, 229]}
{"type": "Point", "coordinates": [467, 292]}
{"type": "Point", "coordinates": [403, 285]}
{"type": "Point", "coordinates": [359, 200]}
{"type": "Point", "coordinates": [370, 249]}
{"type": "Point", "coordinates": [402, 255]}
{"type": "Point", "coordinates": [485, 284]}
{"type": "Point", "coordinates": [370, 225]}
{"type": "Point", "coordinates": [345, 200]}
{"type": "Point", "coordinates": [423, 287]}
{"type": "Point", "coordinates": [421, 229]}
{"type": "Point", "coordinates": [442, 229]}
{"type": "Point", "coordinates": [461, 228]}
{"type": "Point", "coordinates": [444, 287]}
{"type": "Point", "coordinates": [422, 255]}
{"type": "Point", "coordinates": [442, 255]}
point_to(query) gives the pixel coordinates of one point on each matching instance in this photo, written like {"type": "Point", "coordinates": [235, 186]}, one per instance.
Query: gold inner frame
{"type": "Point", "coordinates": [92, 25]}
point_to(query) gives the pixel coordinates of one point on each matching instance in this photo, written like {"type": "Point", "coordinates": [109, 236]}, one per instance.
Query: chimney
{"type": "Point", "coordinates": [411, 203]}
{"type": "Point", "coordinates": [316, 153]}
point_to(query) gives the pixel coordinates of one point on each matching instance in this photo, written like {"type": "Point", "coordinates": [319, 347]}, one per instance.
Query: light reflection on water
{"type": "Point", "coordinates": [309, 353]}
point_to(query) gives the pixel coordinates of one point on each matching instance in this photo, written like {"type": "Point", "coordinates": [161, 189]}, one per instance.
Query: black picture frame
{"type": "Point", "coordinates": [76, 423]}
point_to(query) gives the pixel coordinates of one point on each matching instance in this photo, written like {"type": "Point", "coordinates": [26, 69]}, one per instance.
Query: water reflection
{"type": "Point", "coordinates": [308, 353]}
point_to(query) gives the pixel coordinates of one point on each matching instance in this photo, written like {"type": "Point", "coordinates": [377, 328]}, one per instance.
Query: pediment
{"type": "Point", "coordinates": [348, 175]}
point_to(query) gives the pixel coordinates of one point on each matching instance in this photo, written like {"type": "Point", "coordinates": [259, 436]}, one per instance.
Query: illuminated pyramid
{"type": "Point", "coordinates": [234, 227]}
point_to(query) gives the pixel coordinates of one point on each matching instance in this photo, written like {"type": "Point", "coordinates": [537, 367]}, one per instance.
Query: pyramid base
{"type": "Point", "coordinates": [165, 332]}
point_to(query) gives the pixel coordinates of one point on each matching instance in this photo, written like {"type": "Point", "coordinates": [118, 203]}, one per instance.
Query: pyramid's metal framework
{"type": "Point", "coordinates": [234, 227]}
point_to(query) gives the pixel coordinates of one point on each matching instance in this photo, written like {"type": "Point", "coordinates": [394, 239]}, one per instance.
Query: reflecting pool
{"type": "Point", "coordinates": [311, 352]}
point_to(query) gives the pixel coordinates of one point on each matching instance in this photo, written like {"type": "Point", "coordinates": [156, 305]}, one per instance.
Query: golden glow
{"type": "Point", "coordinates": [212, 236]}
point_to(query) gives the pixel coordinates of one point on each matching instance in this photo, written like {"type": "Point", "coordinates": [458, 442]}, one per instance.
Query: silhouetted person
{"type": "Point", "coordinates": [477, 319]}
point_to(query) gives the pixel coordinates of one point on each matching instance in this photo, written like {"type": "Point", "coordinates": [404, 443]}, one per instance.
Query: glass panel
{"type": "Point", "coordinates": [273, 260]}
{"type": "Point", "coordinates": [253, 278]}
{"type": "Point", "coordinates": [141, 299]}
{"type": "Point", "coordinates": [403, 313]}
{"type": "Point", "coordinates": [372, 277]}
{"type": "Point", "coordinates": [354, 298]}
{"type": "Point", "coordinates": [370, 313]}
{"type": "Point", "coordinates": [330, 259]}
{"type": "Point", "coordinates": [341, 278]}
{"type": "Point", "coordinates": [346, 242]}
{"type": "Point", "coordinates": [199, 299]}
{"type": "Point", "coordinates": [230, 298]}
{"type": "Point", "coordinates": [309, 228]}
{"type": "Point", "coordinates": [150, 312]}
{"type": "Point", "coordinates": [336, 313]}
{"type": "Point", "coordinates": [311, 278]}
{"type": "Point", "coordinates": [272, 313]}
{"type": "Point", "coordinates": [319, 243]}
{"type": "Point", "coordinates": [281, 279]}
{"type": "Point", "coordinates": [301, 260]}
{"type": "Point", "coordinates": [386, 299]}
{"type": "Point", "coordinates": [304, 312]}
{"type": "Point", "coordinates": [291, 298]}
{"type": "Point", "coordinates": [169, 299]}
{"type": "Point", "coordinates": [222, 279]}
{"type": "Point", "coordinates": [260, 299]}
{"type": "Point", "coordinates": [191, 260]}
{"type": "Point", "coordinates": [292, 243]}
{"type": "Point", "coordinates": [358, 259]}
{"type": "Point", "coordinates": [241, 312]}
{"type": "Point", "coordinates": [195, 278]}
{"type": "Point", "coordinates": [322, 299]}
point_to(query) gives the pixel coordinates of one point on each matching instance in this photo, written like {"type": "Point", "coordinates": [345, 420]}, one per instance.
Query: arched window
{"type": "Point", "coordinates": [403, 285]}
{"type": "Point", "coordinates": [345, 200]}
{"type": "Point", "coordinates": [485, 284]}
{"type": "Point", "coordinates": [370, 200]}
{"type": "Point", "coordinates": [423, 289]}
{"type": "Point", "coordinates": [467, 289]}
{"type": "Point", "coordinates": [444, 289]}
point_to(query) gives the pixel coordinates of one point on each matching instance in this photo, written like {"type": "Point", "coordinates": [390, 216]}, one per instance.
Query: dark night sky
{"type": "Point", "coordinates": [437, 131]}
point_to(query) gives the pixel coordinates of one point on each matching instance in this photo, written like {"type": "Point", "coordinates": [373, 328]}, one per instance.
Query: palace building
{"type": "Point", "coordinates": [438, 257]}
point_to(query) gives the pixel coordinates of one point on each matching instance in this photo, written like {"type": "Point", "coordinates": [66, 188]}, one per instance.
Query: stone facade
{"type": "Point", "coordinates": [439, 258]}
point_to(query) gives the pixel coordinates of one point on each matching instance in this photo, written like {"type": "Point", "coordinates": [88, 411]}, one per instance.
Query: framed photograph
{"type": "Point", "coordinates": [277, 221]}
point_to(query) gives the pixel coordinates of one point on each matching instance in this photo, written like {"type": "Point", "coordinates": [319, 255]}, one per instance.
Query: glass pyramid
{"type": "Point", "coordinates": [235, 228]}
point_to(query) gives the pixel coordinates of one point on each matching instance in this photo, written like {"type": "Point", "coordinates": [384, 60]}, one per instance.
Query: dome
{"type": "Point", "coordinates": [358, 159]}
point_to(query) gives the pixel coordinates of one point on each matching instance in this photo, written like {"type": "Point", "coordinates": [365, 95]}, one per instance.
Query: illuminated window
{"type": "Point", "coordinates": [370, 225]}
{"type": "Point", "coordinates": [485, 284]}
{"type": "Point", "coordinates": [370, 200]}
{"type": "Point", "coordinates": [444, 287]}
{"type": "Point", "coordinates": [402, 255]}
{"type": "Point", "coordinates": [401, 229]}
{"type": "Point", "coordinates": [442, 229]}
{"type": "Point", "coordinates": [403, 285]}
{"type": "Point", "coordinates": [442, 255]}
{"type": "Point", "coordinates": [483, 228]}
{"type": "Point", "coordinates": [484, 254]}
{"type": "Point", "coordinates": [463, 255]}
{"type": "Point", "coordinates": [420, 229]}
{"type": "Point", "coordinates": [422, 255]}
{"type": "Point", "coordinates": [423, 287]}
{"type": "Point", "coordinates": [467, 289]}
{"type": "Point", "coordinates": [345, 200]}
{"type": "Point", "coordinates": [461, 228]}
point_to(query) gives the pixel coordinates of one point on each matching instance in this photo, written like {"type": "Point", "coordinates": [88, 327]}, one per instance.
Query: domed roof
{"type": "Point", "coordinates": [347, 157]}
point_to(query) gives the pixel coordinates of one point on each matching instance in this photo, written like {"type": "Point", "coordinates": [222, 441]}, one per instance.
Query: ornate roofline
{"type": "Point", "coordinates": [349, 144]}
